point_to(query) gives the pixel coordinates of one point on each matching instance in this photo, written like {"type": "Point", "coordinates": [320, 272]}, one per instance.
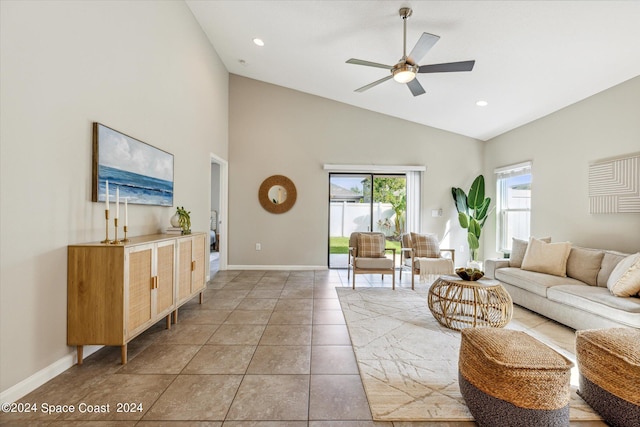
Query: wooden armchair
{"type": "Point", "coordinates": [367, 254]}
{"type": "Point", "coordinates": [424, 256]}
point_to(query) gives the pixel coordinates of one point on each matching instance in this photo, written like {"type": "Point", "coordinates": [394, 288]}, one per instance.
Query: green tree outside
{"type": "Point", "coordinates": [392, 190]}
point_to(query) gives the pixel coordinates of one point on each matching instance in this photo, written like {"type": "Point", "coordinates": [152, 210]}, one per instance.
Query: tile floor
{"type": "Point", "coordinates": [265, 349]}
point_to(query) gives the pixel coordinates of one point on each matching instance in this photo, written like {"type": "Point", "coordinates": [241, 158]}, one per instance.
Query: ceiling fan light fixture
{"type": "Point", "coordinates": [404, 73]}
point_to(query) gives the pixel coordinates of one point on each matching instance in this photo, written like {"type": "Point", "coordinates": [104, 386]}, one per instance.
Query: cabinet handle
{"type": "Point", "coordinates": [154, 282]}
{"type": "Point", "coordinates": [193, 266]}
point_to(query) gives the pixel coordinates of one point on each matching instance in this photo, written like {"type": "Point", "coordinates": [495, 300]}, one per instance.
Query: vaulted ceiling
{"type": "Point", "coordinates": [532, 57]}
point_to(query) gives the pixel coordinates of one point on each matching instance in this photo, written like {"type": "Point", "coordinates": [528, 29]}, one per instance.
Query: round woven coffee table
{"type": "Point", "coordinates": [459, 304]}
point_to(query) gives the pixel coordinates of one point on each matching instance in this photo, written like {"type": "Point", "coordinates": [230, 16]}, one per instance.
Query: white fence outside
{"type": "Point", "coordinates": [345, 218]}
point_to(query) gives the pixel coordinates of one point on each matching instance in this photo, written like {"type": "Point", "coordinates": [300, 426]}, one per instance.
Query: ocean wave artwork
{"type": "Point", "coordinates": [142, 173]}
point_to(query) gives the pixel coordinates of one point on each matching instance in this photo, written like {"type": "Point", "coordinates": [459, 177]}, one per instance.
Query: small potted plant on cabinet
{"type": "Point", "coordinates": [184, 219]}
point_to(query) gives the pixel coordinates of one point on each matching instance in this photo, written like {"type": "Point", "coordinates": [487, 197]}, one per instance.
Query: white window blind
{"type": "Point", "coordinates": [513, 204]}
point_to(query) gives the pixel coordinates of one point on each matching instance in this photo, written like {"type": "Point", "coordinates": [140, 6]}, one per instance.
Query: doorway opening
{"type": "Point", "coordinates": [218, 215]}
{"type": "Point", "coordinates": [365, 202]}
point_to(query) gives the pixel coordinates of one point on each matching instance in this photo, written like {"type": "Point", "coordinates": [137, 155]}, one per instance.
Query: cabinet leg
{"type": "Point", "coordinates": [201, 297]}
{"type": "Point", "coordinates": [169, 321]}
{"type": "Point", "coordinates": [123, 354]}
{"type": "Point", "coordinates": [80, 355]}
{"type": "Point", "coordinates": [175, 316]}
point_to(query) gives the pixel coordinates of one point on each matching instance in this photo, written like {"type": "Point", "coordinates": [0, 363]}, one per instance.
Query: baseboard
{"type": "Point", "coordinates": [277, 267]}
{"type": "Point", "coordinates": [26, 386]}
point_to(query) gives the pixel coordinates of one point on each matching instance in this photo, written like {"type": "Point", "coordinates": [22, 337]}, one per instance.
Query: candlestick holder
{"type": "Point", "coordinates": [116, 241]}
{"type": "Point", "coordinates": [125, 240]}
{"type": "Point", "coordinates": [106, 240]}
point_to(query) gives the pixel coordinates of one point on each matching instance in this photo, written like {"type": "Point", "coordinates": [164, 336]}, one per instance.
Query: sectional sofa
{"type": "Point", "coordinates": [582, 288]}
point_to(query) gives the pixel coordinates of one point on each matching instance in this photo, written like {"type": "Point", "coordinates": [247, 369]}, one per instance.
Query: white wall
{"type": "Point", "coordinates": [561, 147]}
{"type": "Point", "coordinates": [144, 68]}
{"type": "Point", "coordinates": [273, 130]}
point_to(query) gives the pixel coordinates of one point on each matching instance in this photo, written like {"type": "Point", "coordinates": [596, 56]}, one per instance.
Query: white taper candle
{"type": "Point", "coordinates": [106, 195]}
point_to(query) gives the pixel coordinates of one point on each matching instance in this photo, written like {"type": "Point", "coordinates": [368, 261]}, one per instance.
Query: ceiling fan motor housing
{"type": "Point", "coordinates": [404, 72]}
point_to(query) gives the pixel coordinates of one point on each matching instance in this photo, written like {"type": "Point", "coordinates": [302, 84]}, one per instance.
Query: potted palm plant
{"type": "Point", "coordinates": [473, 209]}
{"type": "Point", "coordinates": [184, 219]}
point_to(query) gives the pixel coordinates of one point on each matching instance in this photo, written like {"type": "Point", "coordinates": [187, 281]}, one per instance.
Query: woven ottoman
{"type": "Point", "coordinates": [609, 365]}
{"type": "Point", "coordinates": [508, 378]}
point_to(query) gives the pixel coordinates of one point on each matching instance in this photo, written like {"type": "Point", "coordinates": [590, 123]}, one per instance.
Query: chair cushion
{"type": "Point", "coordinates": [374, 263]}
{"type": "Point", "coordinates": [371, 245]}
{"type": "Point", "coordinates": [425, 245]}
{"type": "Point", "coordinates": [434, 265]}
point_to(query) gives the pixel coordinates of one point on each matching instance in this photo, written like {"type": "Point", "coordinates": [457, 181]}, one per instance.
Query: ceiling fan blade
{"type": "Point", "coordinates": [424, 45]}
{"type": "Point", "coordinates": [415, 87]}
{"type": "Point", "coordinates": [448, 67]}
{"type": "Point", "coordinates": [369, 63]}
{"type": "Point", "coordinates": [370, 85]}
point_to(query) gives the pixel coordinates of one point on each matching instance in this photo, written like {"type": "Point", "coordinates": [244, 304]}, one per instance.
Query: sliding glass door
{"type": "Point", "coordinates": [364, 202]}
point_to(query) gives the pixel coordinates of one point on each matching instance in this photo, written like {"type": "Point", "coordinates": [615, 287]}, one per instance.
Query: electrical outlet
{"type": "Point", "coordinates": [258, 247]}
{"type": "Point", "coordinates": [461, 249]}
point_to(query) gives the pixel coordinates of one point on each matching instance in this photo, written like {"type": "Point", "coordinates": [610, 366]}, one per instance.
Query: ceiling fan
{"type": "Point", "coordinates": [406, 69]}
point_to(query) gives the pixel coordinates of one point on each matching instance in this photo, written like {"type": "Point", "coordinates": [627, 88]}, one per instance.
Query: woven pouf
{"type": "Point", "coordinates": [509, 378]}
{"type": "Point", "coordinates": [609, 365]}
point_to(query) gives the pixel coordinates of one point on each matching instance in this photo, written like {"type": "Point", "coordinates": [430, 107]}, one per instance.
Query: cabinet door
{"type": "Point", "coordinates": [199, 263]}
{"type": "Point", "coordinates": [140, 263]}
{"type": "Point", "coordinates": [185, 254]}
{"type": "Point", "coordinates": [165, 294]}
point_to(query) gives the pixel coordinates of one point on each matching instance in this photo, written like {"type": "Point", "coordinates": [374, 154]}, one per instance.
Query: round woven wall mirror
{"type": "Point", "coordinates": [277, 194]}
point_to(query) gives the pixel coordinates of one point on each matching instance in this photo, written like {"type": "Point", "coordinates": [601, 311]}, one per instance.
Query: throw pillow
{"type": "Point", "coordinates": [584, 265]}
{"type": "Point", "coordinates": [518, 249]}
{"type": "Point", "coordinates": [425, 245]}
{"type": "Point", "coordinates": [371, 245]}
{"type": "Point", "coordinates": [550, 258]}
{"type": "Point", "coordinates": [624, 280]}
{"type": "Point", "coordinates": [406, 243]}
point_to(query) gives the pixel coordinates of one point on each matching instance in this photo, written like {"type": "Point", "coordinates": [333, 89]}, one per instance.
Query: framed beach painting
{"type": "Point", "coordinates": [142, 173]}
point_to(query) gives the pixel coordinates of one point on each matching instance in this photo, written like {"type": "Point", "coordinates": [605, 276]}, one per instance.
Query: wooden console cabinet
{"type": "Point", "coordinates": [116, 292]}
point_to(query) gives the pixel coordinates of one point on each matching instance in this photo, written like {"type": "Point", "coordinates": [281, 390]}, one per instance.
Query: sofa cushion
{"type": "Point", "coordinates": [518, 249]}
{"type": "Point", "coordinates": [598, 301]}
{"type": "Point", "coordinates": [537, 283]}
{"type": "Point", "coordinates": [371, 245]}
{"type": "Point", "coordinates": [624, 280]}
{"type": "Point", "coordinates": [425, 245]}
{"type": "Point", "coordinates": [609, 262]}
{"type": "Point", "coordinates": [543, 257]}
{"type": "Point", "coordinates": [584, 264]}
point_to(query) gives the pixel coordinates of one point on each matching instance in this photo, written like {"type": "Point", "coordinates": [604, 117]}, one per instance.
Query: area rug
{"type": "Point", "coordinates": [407, 361]}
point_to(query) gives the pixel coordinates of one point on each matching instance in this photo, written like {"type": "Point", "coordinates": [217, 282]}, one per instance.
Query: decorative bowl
{"type": "Point", "coordinates": [469, 274]}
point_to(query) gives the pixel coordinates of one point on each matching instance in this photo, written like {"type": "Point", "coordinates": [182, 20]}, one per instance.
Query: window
{"type": "Point", "coordinates": [513, 204]}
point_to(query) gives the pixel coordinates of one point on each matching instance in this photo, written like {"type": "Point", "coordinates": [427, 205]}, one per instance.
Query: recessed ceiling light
{"type": "Point", "coordinates": [482, 103]}
{"type": "Point", "coordinates": [258, 42]}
